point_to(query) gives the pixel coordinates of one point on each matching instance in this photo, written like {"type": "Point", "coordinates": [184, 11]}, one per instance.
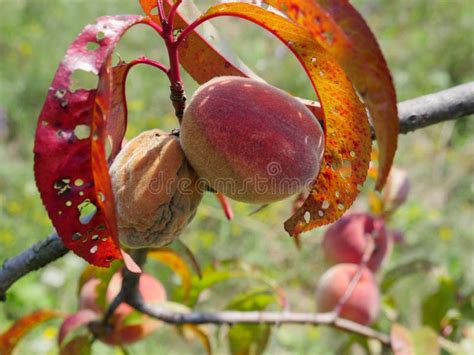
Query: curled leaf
{"type": "Point", "coordinates": [341, 30]}
{"type": "Point", "coordinates": [71, 170]}
{"type": "Point", "coordinates": [10, 339]}
{"type": "Point", "coordinates": [171, 259]}
{"type": "Point", "coordinates": [348, 141]}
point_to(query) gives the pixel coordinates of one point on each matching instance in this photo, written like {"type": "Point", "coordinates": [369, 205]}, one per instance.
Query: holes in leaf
{"type": "Point", "coordinates": [79, 182]}
{"type": "Point", "coordinates": [346, 170]}
{"type": "Point", "coordinates": [81, 79]}
{"type": "Point", "coordinates": [352, 154]}
{"type": "Point", "coordinates": [340, 206]}
{"type": "Point", "coordinates": [68, 203]}
{"type": "Point", "coordinates": [109, 258]}
{"type": "Point", "coordinates": [325, 205]}
{"type": "Point", "coordinates": [329, 37]}
{"type": "Point", "coordinates": [76, 236]}
{"type": "Point", "coordinates": [101, 196]}
{"type": "Point", "coordinates": [60, 93]}
{"type": "Point", "coordinates": [44, 123]}
{"type": "Point", "coordinates": [313, 60]}
{"type": "Point", "coordinates": [95, 237]}
{"type": "Point", "coordinates": [338, 194]}
{"type": "Point", "coordinates": [94, 249]}
{"type": "Point", "coordinates": [307, 216]}
{"type": "Point", "coordinates": [62, 186]}
{"type": "Point", "coordinates": [100, 36]}
{"type": "Point", "coordinates": [85, 209]}
{"type": "Point", "coordinates": [320, 213]}
{"type": "Point", "coordinates": [82, 131]}
{"type": "Point", "coordinates": [92, 46]}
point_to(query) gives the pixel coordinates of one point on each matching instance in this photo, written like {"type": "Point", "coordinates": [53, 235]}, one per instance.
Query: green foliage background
{"type": "Point", "coordinates": [429, 45]}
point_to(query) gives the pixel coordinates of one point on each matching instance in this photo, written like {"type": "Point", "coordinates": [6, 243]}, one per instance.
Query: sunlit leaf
{"type": "Point", "coordinates": [171, 259]}
{"type": "Point", "coordinates": [348, 141]}
{"type": "Point", "coordinates": [191, 331]}
{"type": "Point", "coordinates": [70, 155]}
{"type": "Point", "coordinates": [398, 272]}
{"type": "Point", "coordinates": [341, 30]}
{"type": "Point", "coordinates": [247, 339]}
{"type": "Point", "coordinates": [19, 329]}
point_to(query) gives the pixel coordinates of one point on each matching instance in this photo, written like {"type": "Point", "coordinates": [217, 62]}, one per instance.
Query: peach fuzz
{"type": "Point", "coordinates": [251, 141]}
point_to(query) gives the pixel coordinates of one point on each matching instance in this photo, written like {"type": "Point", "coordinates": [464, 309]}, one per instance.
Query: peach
{"type": "Point", "coordinates": [251, 141]}
{"type": "Point", "coordinates": [346, 240]}
{"type": "Point", "coordinates": [155, 190]}
{"type": "Point", "coordinates": [122, 332]}
{"type": "Point", "coordinates": [363, 306]}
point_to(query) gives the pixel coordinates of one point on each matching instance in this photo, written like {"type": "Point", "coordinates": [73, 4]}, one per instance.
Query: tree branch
{"type": "Point", "coordinates": [414, 114]}
{"type": "Point", "coordinates": [274, 318]}
{"type": "Point", "coordinates": [434, 108]}
{"type": "Point", "coordinates": [33, 258]}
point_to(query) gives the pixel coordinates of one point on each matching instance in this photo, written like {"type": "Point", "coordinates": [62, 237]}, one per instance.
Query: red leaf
{"type": "Point", "coordinates": [341, 30]}
{"type": "Point", "coordinates": [70, 161]}
{"type": "Point", "coordinates": [203, 61]}
{"type": "Point", "coordinates": [348, 141]}
{"type": "Point", "coordinates": [22, 327]}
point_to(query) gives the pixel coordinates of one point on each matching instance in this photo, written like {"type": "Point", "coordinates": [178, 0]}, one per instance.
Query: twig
{"type": "Point", "coordinates": [414, 114]}
{"type": "Point", "coordinates": [369, 249]}
{"type": "Point", "coordinates": [273, 318]}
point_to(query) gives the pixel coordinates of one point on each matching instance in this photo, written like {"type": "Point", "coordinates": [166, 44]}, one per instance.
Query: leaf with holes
{"type": "Point", "coordinates": [70, 158]}
{"type": "Point", "coordinates": [341, 30]}
{"type": "Point", "coordinates": [22, 327]}
{"type": "Point", "coordinates": [348, 141]}
{"type": "Point", "coordinates": [203, 60]}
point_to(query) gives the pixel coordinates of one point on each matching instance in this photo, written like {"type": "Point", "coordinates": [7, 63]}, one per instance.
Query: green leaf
{"type": "Point", "coordinates": [436, 305]}
{"type": "Point", "coordinates": [247, 339]}
{"type": "Point", "coordinates": [402, 270]}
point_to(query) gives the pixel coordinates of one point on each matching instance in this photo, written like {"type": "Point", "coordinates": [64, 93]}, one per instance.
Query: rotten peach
{"type": "Point", "coordinates": [155, 190]}
{"type": "Point", "coordinates": [251, 141]}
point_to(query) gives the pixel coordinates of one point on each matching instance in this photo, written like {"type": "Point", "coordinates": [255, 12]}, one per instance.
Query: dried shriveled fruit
{"type": "Point", "coordinates": [155, 190]}
{"type": "Point", "coordinates": [251, 141]}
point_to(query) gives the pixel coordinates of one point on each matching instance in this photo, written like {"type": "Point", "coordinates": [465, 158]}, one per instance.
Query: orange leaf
{"type": "Point", "coordinates": [177, 264]}
{"type": "Point", "coordinates": [342, 31]}
{"type": "Point", "coordinates": [22, 327]}
{"type": "Point", "coordinates": [348, 141]}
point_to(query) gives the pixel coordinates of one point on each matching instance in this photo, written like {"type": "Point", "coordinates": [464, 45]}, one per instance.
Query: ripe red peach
{"type": "Point", "coordinates": [346, 240]}
{"type": "Point", "coordinates": [364, 304]}
{"type": "Point", "coordinates": [251, 141]}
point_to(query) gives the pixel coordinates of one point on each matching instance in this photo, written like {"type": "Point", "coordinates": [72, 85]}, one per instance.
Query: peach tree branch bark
{"type": "Point", "coordinates": [414, 114]}
{"type": "Point", "coordinates": [273, 318]}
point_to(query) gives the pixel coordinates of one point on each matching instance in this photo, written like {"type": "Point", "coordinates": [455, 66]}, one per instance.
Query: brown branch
{"type": "Point", "coordinates": [434, 108]}
{"type": "Point", "coordinates": [33, 258]}
{"type": "Point", "coordinates": [273, 318]}
{"type": "Point", "coordinates": [414, 114]}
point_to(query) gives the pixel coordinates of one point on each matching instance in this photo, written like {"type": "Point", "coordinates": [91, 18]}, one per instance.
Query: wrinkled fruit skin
{"type": "Point", "coordinates": [251, 141]}
{"type": "Point", "coordinates": [155, 190]}
{"type": "Point", "coordinates": [364, 304]}
{"type": "Point", "coordinates": [345, 241]}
